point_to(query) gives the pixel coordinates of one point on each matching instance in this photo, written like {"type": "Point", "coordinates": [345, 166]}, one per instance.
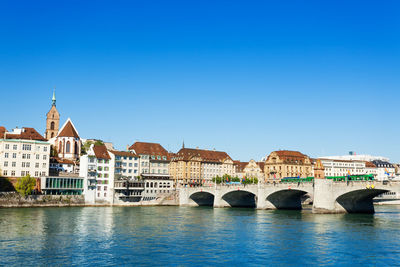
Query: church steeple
{"type": "Point", "coordinates": [183, 144]}
{"type": "Point", "coordinates": [53, 119]}
{"type": "Point", "coordinates": [53, 100]}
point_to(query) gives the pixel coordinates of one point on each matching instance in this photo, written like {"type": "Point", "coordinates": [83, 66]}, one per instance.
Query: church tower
{"type": "Point", "coordinates": [53, 120]}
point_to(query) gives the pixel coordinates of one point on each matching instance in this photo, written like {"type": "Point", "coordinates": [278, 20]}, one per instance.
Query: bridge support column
{"type": "Point", "coordinates": [324, 200]}
{"type": "Point", "coordinates": [218, 201]}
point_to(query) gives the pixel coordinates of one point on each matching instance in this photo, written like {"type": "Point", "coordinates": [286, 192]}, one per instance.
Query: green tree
{"type": "Point", "coordinates": [25, 185]}
{"type": "Point", "coordinates": [85, 147]}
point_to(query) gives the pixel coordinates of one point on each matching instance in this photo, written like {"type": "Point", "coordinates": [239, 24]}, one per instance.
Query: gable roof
{"type": "Point", "coordinates": [124, 153]}
{"type": "Point", "coordinates": [206, 155]}
{"type": "Point", "coordinates": [240, 165]}
{"type": "Point", "coordinates": [261, 164]}
{"type": "Point", "coordinates": [100, 151]}
{"type": "Point", "coordinates": [145, 148]}
{"type": "Point", "coordinates": [26, 133]}
{"type": "Point", "coordinates": [288, 154]}
{"type": "Point", "coordinates": [68, 130]}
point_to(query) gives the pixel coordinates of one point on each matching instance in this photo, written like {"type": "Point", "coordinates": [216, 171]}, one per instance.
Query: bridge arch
{"type": "Point", "coordinates": [203, 198]}
{"type": "Point", "coordinates": [289, 199]}
{"type": "Point", "coordinates": [359, 201]}
{"type": "Point", "coordinates": [240, 198]}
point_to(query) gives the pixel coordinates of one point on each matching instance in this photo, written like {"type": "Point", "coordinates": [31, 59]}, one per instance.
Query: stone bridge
{"type": "Point", "coordinates": [278, 196]}
{"type": "Point", "coordinates": [327, 196]}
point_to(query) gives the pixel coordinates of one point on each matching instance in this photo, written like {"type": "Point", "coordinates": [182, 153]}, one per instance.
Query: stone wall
{"type": "Point", "coordinates": [13, 199]}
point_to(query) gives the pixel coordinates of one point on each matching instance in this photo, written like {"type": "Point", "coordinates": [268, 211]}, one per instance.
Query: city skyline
{"type": "Point", "coordinates": [315, 78]}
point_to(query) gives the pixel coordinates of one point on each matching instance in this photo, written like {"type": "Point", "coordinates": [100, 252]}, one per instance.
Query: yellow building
{"type": "Point", "coordinates": [198, 166]}
{"type": "Point", "coordinates": [285, 163]}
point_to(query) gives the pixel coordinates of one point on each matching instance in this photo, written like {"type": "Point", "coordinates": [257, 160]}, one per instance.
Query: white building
{"type": "Point", "coordinates": [126, 164]}
{"type": "Point", "coordinates": [342, 167]}
{"type": "Point", "coordinates": [97, 167]}
{"type": "Point", "coordinates": [384, 170]}
{"type": "Point", "coordinates": [23, 151]}
{"type": "Point", "coordinates": [354, 157]}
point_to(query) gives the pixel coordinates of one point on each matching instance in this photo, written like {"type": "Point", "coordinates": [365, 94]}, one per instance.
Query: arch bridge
{"type": "Point", "coordinates": [327, 196]}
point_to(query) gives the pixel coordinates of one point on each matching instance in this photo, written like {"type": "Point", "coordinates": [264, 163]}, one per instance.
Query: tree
{"type": "Point", "coordinates": [85, 147]}
{"type": "Point", "coordinates": [25, 185]}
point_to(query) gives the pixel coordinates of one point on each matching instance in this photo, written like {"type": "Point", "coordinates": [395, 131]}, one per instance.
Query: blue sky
{"type": "Point", "coordinates": [246, 77]}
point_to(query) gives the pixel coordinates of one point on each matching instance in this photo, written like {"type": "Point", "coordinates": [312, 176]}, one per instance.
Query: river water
{"type": "Point", "coordinates": [196, 236]}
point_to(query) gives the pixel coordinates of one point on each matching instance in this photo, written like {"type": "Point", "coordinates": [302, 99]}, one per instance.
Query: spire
{"type": "Point", "coordinates": [183, 144]}
{"type": "Point", "coordinates": [53, 100]}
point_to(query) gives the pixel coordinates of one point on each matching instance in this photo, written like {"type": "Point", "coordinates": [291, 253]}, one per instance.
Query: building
{"type": "Point", "coordinates": [319, 170]}
{"type": "Point", "coordinates": [156, 185]}
{"type": "Point", "coordinates": [154, 159]}
{"type": "Point", "coordinates": [53, 120]}
{"type": "Point", "coordinates": [60, 166]}
{"type": "Point", "coordinates": [62, 185]}
{"type": "Point", "coordinates": [353, 157]}
{"type": "Point", "coordinates": [126, 165]}
{"type": "Point", "coordinates": [23, 151]}
{"type": "Point", "coordinates": [97, 168]}
{"type": "Point", "coordinates": [342, 167]}
{"type": "Point", "coordinates": [193, 166]}
{"type": "Point", "coordinates": [67, 142]}
{"type": "Point", "coordinates": [251, 169]}
{"type": "Point", "coordinates": [286, 163]}
{"type": "Point", "coordinates": [384, 170]}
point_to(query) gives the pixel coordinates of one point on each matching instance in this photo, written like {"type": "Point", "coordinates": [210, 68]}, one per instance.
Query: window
{"type": "Point", "coordinates": [5, 173]}
{"type": "Point", "coordinates": [37, 156]}
{"type": "Point", "coordinates": [14, 155]}
{"type": "Point", "coordinates": [22, 173]}
{"type": "Point", "coordinates": [44, 165]}
{"type": "Point", "coordinates": [45, 148]}
{"type": "Point", "coordinates": [24, 156]}
{"type": "Point", "coordinates": [105, 188]}
{"type": "Point", "coordinates": [26, 147]}
{"type": "Point", "coordinates": [68, 147]}
{"type": "Point", "coordinates": [52, 125]}
{"type": "Point", "coordinates": [36, 173]}
{"type": "Point", "coordinates": [28, 156]}
{"type": "Point", "coordinates": [13, 164]}
{"type": "Point", "coordinates": [23, 165]}
{"type": "Point", "coordinates": [15, 147]}
{"type": "Point", "coordinates": [44, 156]}
{"type": "Point", "coordinates": [6, 155]}
{"type": "Point", "coordinates": [5, 163]}
{"type": "Point", "coordinates": [7, 146]}
{"type": "Point", "coordinates": [28, 164]}
{"type": "Point", "coordinates": [105, 194]}
{"type": "Point", "coordinates": [12, 173]}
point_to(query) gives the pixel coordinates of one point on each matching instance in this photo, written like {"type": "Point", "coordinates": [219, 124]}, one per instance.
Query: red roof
{"type": "Point", "coordinates": [100, 151]}
{"type": "Point", "coordinates": [124, 153]}
{"type": "Point", "coordinates": [205, 155]}
{"type": "Point", "coordinates": [68, 131]}
{"type": "Point", "coordinates": [26, 134]}
{"type": "Point", "coordinates": [144, 148]}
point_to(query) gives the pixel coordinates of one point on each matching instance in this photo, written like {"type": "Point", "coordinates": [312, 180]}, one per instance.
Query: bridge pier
{"type": "Point", "coordinates": [324, 201]}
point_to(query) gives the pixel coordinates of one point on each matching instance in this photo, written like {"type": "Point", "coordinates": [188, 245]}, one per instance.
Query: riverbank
{"type": "Point", "coordinates": [15, 200]}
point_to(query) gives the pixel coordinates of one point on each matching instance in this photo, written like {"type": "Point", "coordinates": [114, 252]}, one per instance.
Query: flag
{"type": "Point", "coordinates": [386, 172]}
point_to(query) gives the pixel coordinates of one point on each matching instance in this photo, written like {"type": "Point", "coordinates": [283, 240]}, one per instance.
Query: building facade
{"type": "Point", "coordinates": [341, 167]}
{"type": "Point", "coordinates": [23, 151]}
{"type": "Point", "coordinates": [286, 163]}
{"type": "Point", "coordinates": [198, 166]}
{"type": "Point", "coordinates": [154, 159]}
{"type": "Point", "coordinates": [67, 142]}
{"type": "Point", "coordinates": [126, 165]}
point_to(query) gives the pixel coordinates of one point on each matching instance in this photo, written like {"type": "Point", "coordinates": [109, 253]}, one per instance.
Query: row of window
{"type": "Point", "coordinates": [125, 158]}
{"type": "Point", "coordinates": [153, 157]}
{"type": "Point", "coordinates": [27, 147]}
{"type": "Point", "coordinates": [64, 183]}
{"type": "Point", "coordinates": [23, 173]}
{"type": "Point", "coordinates": [24, 164]}
{"type": "Point", "coordinates": [24, 156]}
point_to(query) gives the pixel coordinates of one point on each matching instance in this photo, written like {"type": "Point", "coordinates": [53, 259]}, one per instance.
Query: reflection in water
{"type": "Point", "coordinates": [194, 236]}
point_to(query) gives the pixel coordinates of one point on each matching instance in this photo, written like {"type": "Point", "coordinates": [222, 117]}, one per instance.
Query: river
{"type": "Point", "coordinates": [196, 236]}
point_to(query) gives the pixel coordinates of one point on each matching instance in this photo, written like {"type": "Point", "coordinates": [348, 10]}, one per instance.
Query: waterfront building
{"type": "Point", "coordinates": [23, 151]}
{"type": "Point", "coordinates": [126, 164]}
{"type": "Point", "coordinates": [198, 166]}
{"type": "Point", "coordinates": [319, 170]}
{"type": "Point", "coordinates": [154, 159]}
{"type": "Point", "coordinates": [342, 167]}
{"type": "Point", "coordinates": [156, 185]}
{"type": "Point", "coordinates": [286, 163]}
{"type": "Point", "coordinates": [97, 168]}
{"type": "Point", "coordinates": [70, 184]}
{"type": "Point", "coordinates": [67, 142]}
{"type": "Point", "coordinates": [251, 169]}
{"type": "Point", "coordinates": [128, 191]}
{"type": "Point", "coordinates": [352, 156]}
{"type": "Point", "coordinates": [52, 120]}
{"type": "Point", "coordinates": [384, 170]}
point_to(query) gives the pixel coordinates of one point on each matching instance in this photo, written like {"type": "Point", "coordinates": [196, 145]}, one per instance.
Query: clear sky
{"type": "Point", "coordinates": [246, 77]}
